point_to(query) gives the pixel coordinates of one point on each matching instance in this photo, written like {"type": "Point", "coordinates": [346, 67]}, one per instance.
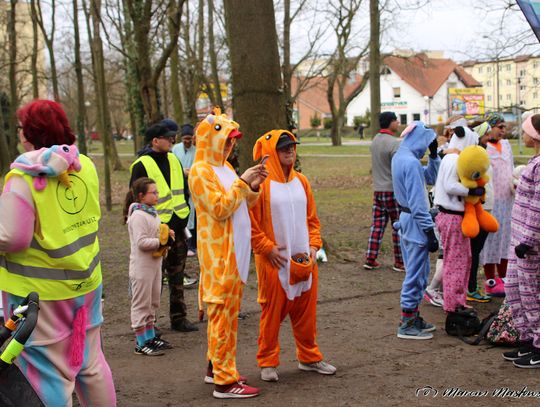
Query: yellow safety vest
{"type": "Point", "coordinates": [64, 262]}
{"type": "Point", "coordinates": [171, 199]}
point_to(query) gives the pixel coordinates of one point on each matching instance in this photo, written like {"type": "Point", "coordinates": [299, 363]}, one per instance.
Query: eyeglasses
{"type": "Point", "coordinates": [170, 138]}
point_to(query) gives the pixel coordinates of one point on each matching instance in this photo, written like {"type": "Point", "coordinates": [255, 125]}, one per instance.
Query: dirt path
{"type": "Point", "coordinates": [357, 318]}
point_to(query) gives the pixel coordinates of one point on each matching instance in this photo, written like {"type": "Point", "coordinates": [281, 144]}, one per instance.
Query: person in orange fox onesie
{"type": "Point", "coordinates": [221, 201]}
{"type": "Point", "coordinates": [285, 236]}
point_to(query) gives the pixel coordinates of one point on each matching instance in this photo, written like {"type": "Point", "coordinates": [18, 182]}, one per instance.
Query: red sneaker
{"type": "Point", "coordinates": [235, 391]}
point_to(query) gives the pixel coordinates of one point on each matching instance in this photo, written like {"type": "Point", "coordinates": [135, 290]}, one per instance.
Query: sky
{"type": "Point", "coordinates": [458, 28]}
{"type": "Point", "coordinates": [455, 26]}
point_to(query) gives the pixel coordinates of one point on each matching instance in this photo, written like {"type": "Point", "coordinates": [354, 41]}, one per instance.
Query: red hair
{"type": "Point", "coordinates": [45, 124]}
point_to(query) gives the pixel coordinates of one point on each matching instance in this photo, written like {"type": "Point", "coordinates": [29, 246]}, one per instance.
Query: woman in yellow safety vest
{"type": "Point", "coordinates": [48, 244]}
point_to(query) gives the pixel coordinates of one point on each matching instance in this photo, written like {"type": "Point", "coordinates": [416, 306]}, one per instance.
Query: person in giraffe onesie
{"type": "Point", "coordinates": [221, 201]}
{"type": "Point", "coordinates": [285, 230]}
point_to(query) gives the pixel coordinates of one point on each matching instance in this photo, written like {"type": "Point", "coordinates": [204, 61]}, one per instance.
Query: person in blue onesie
{"type": "Point", "coordinates": [416, 227]}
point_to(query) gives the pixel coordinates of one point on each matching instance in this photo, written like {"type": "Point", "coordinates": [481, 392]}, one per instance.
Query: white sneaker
{"type": "Point", "coordinates": [188, 281]}
{"type": "Point", "coordinates": [320, 367]}
{"type": "Point", "coordinates": [433, 297]}
{"type": "Point", "coordinates": [269, 374]}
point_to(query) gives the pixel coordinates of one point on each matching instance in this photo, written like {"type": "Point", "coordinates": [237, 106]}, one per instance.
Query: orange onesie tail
{"type": "Point", "coordinates": [469, 225]}
{"type": "Point", "coordinates": [487, 221]}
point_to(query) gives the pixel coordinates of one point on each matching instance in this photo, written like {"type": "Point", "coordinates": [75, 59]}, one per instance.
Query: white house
{"type": "Point", "coordinates": [415, 87]}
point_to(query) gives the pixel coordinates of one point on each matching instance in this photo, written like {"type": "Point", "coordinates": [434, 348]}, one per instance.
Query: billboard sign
{"type": "Point", "coordinates": [468, 102]}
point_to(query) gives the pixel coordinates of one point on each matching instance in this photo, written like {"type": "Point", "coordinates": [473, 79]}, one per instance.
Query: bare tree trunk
{"type": "Point", "coordinates": [135, 106]}
{"type": "Point", "coordinates": [140, 13]}
{"type": "Point", "coordinates": [178, 111]}
{"type": "Point", "coordinates": [256, 76]}
{"type": "Point", "coordinates": [49, 42]}
{"type": "Point", "coordinates": [5, 158]}
{"type": "Point", "coordinates": [81, 108]}
{"type": "Point", "coordinates": [374, 66]}
{"type": "Point", "coordinates": [190, 76]}
{"type": "Point", "coordinates": [13, 94]}
{"type": "Point", "coordinates": [286, 68]}
{"type": "Point", "coordinates": [101, 99]}
{"type": "Point", "coordinates": [164, 94]}
{"type": "Point", "coordinates": [35, 79]}
{"type": "Point", "coordinates": [213, 56]}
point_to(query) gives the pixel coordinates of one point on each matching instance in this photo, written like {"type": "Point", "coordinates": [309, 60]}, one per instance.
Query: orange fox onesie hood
{"type": "Point", "coordinates": [266, 145]}
{"type": "Point", "coordinates": [211, 135]}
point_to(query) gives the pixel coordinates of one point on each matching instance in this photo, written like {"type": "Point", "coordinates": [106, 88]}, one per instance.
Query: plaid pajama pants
{"type": "Point", "coordinates": [384, 207]}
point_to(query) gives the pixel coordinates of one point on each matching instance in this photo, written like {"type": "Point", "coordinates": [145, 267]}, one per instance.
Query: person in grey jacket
{"type": "Point", "coordinates": [385, 208]}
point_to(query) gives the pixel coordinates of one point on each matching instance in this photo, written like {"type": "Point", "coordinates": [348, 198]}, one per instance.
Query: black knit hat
{"type": "Point", "coordinates": [385, 118]}
{"type": "Point", "coordinates": [187, 130]}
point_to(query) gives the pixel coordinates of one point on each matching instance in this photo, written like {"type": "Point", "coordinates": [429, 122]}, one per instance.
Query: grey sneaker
{"type": "Point", "coordinates": [269, 374]}
{"type": "Point", "coordinates": [320, 367]}
{"type": "Point", "coordinates": [423, 325]}
{"type": "Point", "coordinates": [409, 330]}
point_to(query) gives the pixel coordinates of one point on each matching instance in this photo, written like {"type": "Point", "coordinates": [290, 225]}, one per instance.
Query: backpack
{"type": "Point", "coordinates": [463, 322]}
{"type": "Point", "coordinates": [497, 329]}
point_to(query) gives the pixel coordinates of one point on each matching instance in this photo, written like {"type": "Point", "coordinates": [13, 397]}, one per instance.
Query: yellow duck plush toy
{"type": "Point", "coordinates": [472, 167]}
{"type": "Point", "coordinates": [164, 245]}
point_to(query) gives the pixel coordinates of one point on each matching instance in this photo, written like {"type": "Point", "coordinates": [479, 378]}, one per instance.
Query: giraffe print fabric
{"type": "Point", "coordinates": [221, 201]}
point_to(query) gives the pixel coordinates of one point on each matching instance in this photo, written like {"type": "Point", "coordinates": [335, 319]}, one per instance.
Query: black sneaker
{"type": "Point", "coordinates": [184, 325]}
{"type": "Point", "coordinates": [524, 350]}
{"type": "Point", "coordinates": [148, 349]}
{"type": "Point", "coordinates": [161, 344]}
{"type": "Point", "coordinates": [530, 361]}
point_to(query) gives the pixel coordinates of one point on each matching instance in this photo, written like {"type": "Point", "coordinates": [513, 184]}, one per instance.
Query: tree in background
{"type": "Point", "coordinates": [343, 64]}
{"type": "Point", "coordinates": [258, 100]}
{"type": "Point", "coordinates": [49, 41]}
{"type": "Point", "coordinates": [374, 65]}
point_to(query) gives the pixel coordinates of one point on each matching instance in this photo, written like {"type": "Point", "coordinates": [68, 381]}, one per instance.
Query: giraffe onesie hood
{"type": "Point", "coordinates": [285, 215]}
{"type": "Point", "coordinates": [223, 240]}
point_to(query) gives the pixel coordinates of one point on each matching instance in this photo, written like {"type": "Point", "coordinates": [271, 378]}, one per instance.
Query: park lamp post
{"type": "Point", "coordinates": [427, 112]}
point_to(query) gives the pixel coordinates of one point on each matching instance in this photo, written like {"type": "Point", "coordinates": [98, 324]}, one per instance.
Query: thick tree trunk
{"type": "Point", "coordinates": [81, 108]}
{"type": "Point", "coordinates": [337, 125]}
{"type": "Point", "coordinates": [257, 99]}
{"type": "Point", "coordinates": [374, 66]}
{"type": "Point", "coordinates": [213, 57]}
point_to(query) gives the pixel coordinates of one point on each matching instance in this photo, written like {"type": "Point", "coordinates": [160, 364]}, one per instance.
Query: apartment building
{"type": "Point", "coordinates": [508, 82]}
